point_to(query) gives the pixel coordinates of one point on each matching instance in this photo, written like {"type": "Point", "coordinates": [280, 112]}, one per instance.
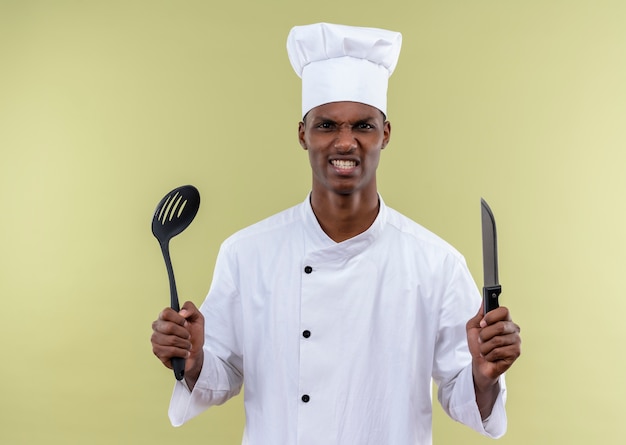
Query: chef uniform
{"type": "Point", "coordinates": [338, 343]}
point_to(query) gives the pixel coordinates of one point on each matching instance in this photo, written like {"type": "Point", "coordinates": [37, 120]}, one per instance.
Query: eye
{"type": "Point", "coordinates": [325, 125]}
{"type": "Point", "coordinates": [365, 126]}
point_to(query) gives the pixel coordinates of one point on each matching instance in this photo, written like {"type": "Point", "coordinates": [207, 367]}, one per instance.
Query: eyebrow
{"type": "Point", "coordinates": [323, 118]}
{"type": "Point", "coordinates": [362, 120]}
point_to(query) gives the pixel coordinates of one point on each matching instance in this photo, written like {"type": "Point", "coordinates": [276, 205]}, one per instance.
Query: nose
{"type": "Point", "coordinates": [345, 141]}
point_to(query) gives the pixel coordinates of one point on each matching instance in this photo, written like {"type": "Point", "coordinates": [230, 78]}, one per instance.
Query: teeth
{"type": "Point", "coordinates": [339, 163]}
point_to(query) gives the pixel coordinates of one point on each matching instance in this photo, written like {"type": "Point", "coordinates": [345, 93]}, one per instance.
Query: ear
{"type": "Point", "coordinates": [386, 134]}
{"type": "Point", "coordinates": [301, 129]}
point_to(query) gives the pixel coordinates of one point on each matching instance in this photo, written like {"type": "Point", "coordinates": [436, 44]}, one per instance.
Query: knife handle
{"type": "Point", "coordinates": [490, 297]}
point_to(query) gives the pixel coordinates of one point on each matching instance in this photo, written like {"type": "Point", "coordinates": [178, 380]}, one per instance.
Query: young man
{"type": "Point", "coordinates": [338, 312]}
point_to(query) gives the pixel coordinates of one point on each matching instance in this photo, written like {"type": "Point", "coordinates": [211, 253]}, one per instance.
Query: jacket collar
{"type": "Point", "coordinates": [317, 242]}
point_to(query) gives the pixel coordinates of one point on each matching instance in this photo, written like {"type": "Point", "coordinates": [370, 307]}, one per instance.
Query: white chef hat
{"type": "Point", "coordinates": [343, 63]}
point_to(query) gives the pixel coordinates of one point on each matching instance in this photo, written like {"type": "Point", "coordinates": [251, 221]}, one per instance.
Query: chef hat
{"type": "Point", "coordinates": [343, 63]}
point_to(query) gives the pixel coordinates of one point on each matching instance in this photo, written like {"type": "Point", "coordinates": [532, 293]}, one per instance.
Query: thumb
{"type": "Point", "coordinates": [188, 310]}
{"type": "Point", "coordinates": [478, 320]}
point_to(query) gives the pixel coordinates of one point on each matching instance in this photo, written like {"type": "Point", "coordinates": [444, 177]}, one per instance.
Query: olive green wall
{"type": "Point", "coordinates": [105, 106]}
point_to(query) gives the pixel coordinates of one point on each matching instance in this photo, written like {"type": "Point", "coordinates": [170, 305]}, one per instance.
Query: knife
{"type": "Point", "coordinates": [491, 286]}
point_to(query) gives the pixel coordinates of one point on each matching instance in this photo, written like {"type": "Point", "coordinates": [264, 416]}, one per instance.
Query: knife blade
{"type": "Point", "coordinates": [491, 285]}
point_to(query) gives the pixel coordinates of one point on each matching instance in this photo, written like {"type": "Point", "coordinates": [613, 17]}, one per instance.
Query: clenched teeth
{"type": "Point", "coordinates": [341, 163]}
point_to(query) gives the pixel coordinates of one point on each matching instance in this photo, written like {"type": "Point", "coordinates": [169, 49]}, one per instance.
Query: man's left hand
{"type": "Point", "coordinates": [495, 343]}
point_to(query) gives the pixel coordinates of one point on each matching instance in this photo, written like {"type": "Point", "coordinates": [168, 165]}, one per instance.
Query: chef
{"type": "Point", "coordinates": [336, 315]}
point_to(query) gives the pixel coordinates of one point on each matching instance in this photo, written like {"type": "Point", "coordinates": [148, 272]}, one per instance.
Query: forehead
{"type": "Point", "coordinates": [345, 111]}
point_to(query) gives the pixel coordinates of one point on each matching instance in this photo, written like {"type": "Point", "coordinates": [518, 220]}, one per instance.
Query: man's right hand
{"type": "Point", "coordinates": [180, 335]}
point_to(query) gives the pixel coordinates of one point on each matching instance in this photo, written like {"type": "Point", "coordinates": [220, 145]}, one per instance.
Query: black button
{"type": "Point", "coordinates": [308, 269]}
{"type": "Point", "coordinates": [306, 334]}
{"type": "Point", "coordinates": [306, 398]}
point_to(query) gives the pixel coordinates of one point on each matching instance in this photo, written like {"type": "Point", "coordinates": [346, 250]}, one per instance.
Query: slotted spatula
{"type": "Point", "coordinates": [173, 215]}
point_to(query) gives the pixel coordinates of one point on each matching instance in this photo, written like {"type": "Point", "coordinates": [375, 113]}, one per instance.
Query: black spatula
{"type": "Point", "coordinates": [173, 215]}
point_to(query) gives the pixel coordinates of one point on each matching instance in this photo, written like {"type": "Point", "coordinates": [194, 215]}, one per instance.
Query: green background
{"type": "Point", "coordinates": [105, 106]}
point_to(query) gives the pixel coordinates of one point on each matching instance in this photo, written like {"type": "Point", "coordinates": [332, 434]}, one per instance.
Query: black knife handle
{"type": "Point", "coordinates": [490, 297]}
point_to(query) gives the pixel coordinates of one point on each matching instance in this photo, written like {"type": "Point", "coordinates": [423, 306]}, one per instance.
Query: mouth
{"type": "Point", "coordinates": [343, 164]}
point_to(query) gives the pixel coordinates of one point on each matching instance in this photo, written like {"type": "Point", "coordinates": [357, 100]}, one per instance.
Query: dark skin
{"type": "Point", "coordinates": [344, 141]}
{"type": "Point", "coordinates": [495, 343]}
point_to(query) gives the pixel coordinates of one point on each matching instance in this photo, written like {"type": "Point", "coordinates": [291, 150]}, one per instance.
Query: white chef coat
{"type": "Point", "coordinates": [337, 343]}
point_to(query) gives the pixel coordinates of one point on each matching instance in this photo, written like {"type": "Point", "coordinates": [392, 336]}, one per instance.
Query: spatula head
{"type": "Point", "coordinates": [175, 212]}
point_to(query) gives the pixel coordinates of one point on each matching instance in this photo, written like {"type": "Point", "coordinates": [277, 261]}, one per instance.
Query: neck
{"type": "Point", "coordinates": [344, 216]}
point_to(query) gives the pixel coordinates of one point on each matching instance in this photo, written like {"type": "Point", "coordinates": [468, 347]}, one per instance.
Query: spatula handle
{"type": "Point", "coordinates": [178, 363]}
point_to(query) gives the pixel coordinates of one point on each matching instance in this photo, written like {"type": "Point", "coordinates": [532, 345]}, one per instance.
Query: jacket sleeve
{"type": "Point", "coordinates": [452, 371]}
{"type": "Point", "coordinates": [222, 372]}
